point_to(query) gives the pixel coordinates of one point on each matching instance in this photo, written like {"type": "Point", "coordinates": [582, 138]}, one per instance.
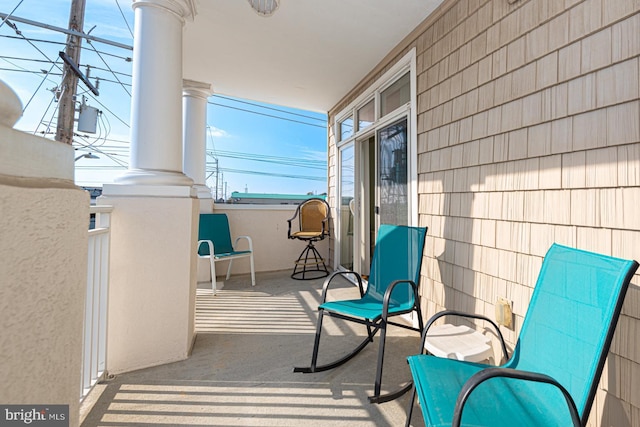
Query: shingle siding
{"type": "Point", "coordinates": [528, 134]}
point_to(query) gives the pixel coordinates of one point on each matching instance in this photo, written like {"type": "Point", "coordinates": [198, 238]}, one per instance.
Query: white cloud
{"type": "Point", "coordinates": [309, 154]}
{"type": "Point", "coordinates": [217, 133]}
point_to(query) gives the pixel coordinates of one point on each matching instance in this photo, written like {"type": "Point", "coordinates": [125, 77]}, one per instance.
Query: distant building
{"type": "Point", "coordinates": [94, 192]}
{"type": "Point", "coordinates": [271, 199]}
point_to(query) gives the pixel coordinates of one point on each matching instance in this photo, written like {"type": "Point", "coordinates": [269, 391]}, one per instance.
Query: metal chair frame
{"type": "Point", "coordinates": [380, 295]}
{"type": "Point", "coordinates": [310, 262]}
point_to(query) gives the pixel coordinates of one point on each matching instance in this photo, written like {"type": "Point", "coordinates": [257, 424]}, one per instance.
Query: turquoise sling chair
{"type": "Point", "coordinates": [552, 375]}
{"type": "Point", "coordinates": [214, 244]}
{"type": "Point", "coordinates": [392, 290]}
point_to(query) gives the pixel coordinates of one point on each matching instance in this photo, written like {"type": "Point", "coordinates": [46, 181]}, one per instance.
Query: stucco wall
{"type": "Point", "coordinates": [43, 248]}
{"type": "Point", "coordinates": [267, 226]}
{"type": "Point", "coordinates": [529, 133]}
{"type": "Point", "coordinates": [153, 279]}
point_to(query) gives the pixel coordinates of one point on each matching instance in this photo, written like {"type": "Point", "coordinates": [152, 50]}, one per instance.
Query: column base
{"type": "Point", "coordinates": [151, 183]}
{"type": "Point", "coordinates": [153, 177]}
{"type": "Point", "coordinates": [202, 191]}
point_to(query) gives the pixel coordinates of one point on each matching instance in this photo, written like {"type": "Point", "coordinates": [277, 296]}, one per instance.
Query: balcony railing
{"type": "Point", "coordinates": [95, 314]}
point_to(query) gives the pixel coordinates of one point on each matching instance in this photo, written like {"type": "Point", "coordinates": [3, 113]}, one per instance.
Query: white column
{"type": "Point", "coordinates": [156, 107]}
{"type": "Point", "coordinates": [194, 122]}
{"type": "Point", "coordinates": [155, 214]}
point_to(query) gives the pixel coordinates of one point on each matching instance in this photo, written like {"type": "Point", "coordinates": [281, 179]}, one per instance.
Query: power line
{"type": "Point", "coordinates": [287, 161]}
{"type": "Point", "coordinates": [65, 31]}
{"type": "Point", "coordinates": [10, 13]}
{"type": "Point", "coordinates": [269, 108]}
{"type": "Point", "coordinates": [31, 38]}
{"type": "Point", "coordinates": [279, 175]}
{"type": "Point", "coordinates": [124, 18]}
{"type": "Point", "coordinates": [266, 115]}
{"type": "Point", "coordinates": [107, 65]}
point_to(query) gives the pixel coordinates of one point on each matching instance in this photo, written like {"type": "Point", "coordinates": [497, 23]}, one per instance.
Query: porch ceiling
{"type": "Point", "coordinates": [308, 55]}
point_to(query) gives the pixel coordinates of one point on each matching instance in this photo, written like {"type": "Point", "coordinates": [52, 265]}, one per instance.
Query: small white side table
{"type": "Point", "coordinates": [458, 342]}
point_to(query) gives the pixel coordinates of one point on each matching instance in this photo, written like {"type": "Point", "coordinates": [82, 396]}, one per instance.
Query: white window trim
{"type": "Point", "coordinates": [407, 63]}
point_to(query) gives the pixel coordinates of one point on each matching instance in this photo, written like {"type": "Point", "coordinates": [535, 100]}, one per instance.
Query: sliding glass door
{"type": "Point", "coordinates": [347, 206]}
{"type": "Point", "coordinates": [392, 203]}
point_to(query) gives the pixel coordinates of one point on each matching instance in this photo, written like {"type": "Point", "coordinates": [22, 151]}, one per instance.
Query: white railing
{"type": "Point", "coordinates": [94, 349]}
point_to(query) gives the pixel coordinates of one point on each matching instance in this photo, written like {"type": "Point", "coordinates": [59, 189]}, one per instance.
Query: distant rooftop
{"type": "Point", "coordinates": [271, 199]}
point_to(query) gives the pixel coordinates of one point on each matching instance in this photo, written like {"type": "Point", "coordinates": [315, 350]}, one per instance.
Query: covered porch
{"type": "Point", "coordinates": [240, 370]}
{"type": "Point", "coordinates": [525, 122]}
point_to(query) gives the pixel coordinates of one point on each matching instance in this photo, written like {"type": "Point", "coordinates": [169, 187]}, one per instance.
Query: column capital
{"type": "Point", "coordinates": [183, 9]}
{"type": "Point", "coordinates": [197, 89]}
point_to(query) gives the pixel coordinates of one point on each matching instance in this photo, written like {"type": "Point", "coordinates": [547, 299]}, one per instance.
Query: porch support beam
{"type": "Point", "coordinates": [194, 121]}
{"type": "Point", "coordinates": [155, 212]}
{"type": "Point", "coordinates": [156, 104]}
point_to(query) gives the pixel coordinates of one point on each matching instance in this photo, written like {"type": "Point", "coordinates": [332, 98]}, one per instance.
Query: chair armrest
{"type": "Point", "coordinates": [290, 220]}
{"type": "Point", "coordinates": [248, 239]}
{"type": "Point", "coordinates": [440, 314]}
{"type": "Point", "coordinates": [289, 228]}
{"type": "Point", "coordinates": [210, 244]}
{"type": "Point", "coordinates": [325, 227]}
{"type": "Point", "coordinates": [327, 282]}
{"type": "Point", "coordinates": [387, 295]}
{"type": "Point", "coordinates": [489, 373]}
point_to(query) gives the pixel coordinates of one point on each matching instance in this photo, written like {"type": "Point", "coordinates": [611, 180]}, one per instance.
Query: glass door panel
{"type": "Point", "coordinates": [392, 204]}
{"type": "Point", "coordinates": [347, 206]}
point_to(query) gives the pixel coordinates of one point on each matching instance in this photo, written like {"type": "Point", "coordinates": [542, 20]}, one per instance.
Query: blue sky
{"type": "Point", "coordinates": [255, 151]}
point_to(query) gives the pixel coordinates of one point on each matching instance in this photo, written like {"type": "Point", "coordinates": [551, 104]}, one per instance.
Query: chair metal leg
{"type": "Point", "coordinates": [212, 263]}
{"type": "Point", "coordinates": [378, 383]}
{"type": "Point", "coordinates": [229, 269]}
{"type": "Point", "coordinates": [377, 397]}
{"type": "Point", "coordinates": [310, 262]}
{"type": "Point", "coordinates": [253, 271]}
{"type": "Point", "coordinates": [410, 409]}
{"type": "Point", "coordinates": [381, 398]}
{"type": "Point", "coordinates": [316, 343]}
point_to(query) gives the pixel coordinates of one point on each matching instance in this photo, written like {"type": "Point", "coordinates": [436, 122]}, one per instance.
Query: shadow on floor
{"type": "Point", "coordinates": [240, 371]}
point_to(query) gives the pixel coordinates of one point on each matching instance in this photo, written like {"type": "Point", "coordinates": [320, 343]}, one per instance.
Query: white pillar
{"type": "Point", "coordinates": [156, 104]}
{"type": "Point", "coordinates": [194, 122]}
{"type": "Point", "coordinates": [154, 225]}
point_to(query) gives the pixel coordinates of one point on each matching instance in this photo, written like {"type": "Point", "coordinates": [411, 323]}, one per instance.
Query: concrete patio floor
{"type": "Point", "coordinates": [240, 371]}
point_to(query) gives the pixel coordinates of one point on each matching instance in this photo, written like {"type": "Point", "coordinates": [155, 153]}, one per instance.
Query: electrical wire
{"type": "Point", "coordinates": [279, 175]}
{"type": "Point", "coordinates": [62, 44]}
{"type": "Point", "coordinates": [99, 151]}
{"type": "Point", "coordinates": [269, 108]}
{"type": "Point", "coordinates": [53, 97]}
{"type": "Point", "coordinates": [107, 65]}
{"type": "Point", "coordinates": [307, 164]}
{"type": "Point", "coordinates": [53, 114]}
{"type": "Point", "coordinates": [11, 13]}
{"type": "Point", "coordinates": [124, 18]}
{"type": "Point", "coordinates": [38, 88]}
{"type": "Point", "coordinates": [266, 115]}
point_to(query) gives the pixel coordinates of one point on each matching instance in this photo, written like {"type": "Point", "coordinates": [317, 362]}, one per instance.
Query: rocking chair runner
{"type": "Point", "coordinates": [552, 375]}
{"type": "Point", "coordinates": [392, 290]}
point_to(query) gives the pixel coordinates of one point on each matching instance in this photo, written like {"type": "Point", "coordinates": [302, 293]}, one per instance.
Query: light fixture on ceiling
{"type": "Point", "coordinates": [264, 7]}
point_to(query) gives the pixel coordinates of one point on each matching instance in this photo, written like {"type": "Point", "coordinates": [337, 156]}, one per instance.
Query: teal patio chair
{"type": "Point", "coordinates": [214, 243]}
{"type": "Point", "coordinates": [552, 375]}
{"type": "Point", "coordinates": [392, 290]}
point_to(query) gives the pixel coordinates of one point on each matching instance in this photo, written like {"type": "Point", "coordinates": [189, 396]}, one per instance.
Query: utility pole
{"type": "Point", "coordinates": [68, 87]}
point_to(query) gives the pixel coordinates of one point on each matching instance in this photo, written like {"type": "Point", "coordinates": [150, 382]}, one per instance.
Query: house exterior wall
{"type": "Point", "coordinates": [528, 134]}
{"type": "Point", "coordinates": [43, 269]}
